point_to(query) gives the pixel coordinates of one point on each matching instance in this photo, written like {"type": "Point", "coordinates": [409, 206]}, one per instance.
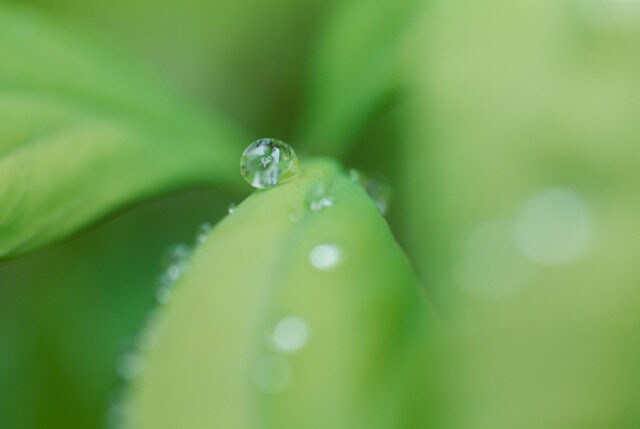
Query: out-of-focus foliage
{"type": "Point", "coordinates": [507, 116]}
{"type": "Point", "coordinates": [83, 133]}
{"type": "Point", "coordinates": [365, 317]}
{"type": "Point", "coordinates": [521, 206]}
{"type": "Point", "coordinates": [247, 58]}
{"type": "Point", "coordinates": [508, 132]}
{"type": "Point", "coordinates": [69, 312]}
{"type": "Point", "coordinates": [355, 71]}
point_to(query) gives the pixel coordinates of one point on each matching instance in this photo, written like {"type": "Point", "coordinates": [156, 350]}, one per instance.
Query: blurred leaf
{"type": "Point", "coordinates": [506, 105]}
{"type": "Point", "coordinates": [84, 133]}
{"type": "Point", "coordinates": [355, 71]}
{"type": "Point", "coordinates": [243, 57]}
{"type": "Point", "coordinates": [365, 318]}
{"type": "Point", "coordinates": [539, 99]}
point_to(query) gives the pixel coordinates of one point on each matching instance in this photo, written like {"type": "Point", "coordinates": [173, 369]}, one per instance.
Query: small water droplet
{"type": "Point", "coordinates": [489, 265]}
{"type": "Point", "coordinates": [269, 162]}
{"type": "Point", "coordinates": [554, 227]}
{"type": "Point", "coordinates": [174, 272]}
{"type": "Point", "coordinates": [130, 366]}
{"type": "Point", "coordinates": [148, 338]}
{"type": "Point", "coordinates": [177, 254]}
{"type": "Point", "coordinates": [319, 197]}
{"type": "Point", "coordinates": [290, 334]}
{"type": "Point", "coordinates": [354, 174]}
{"type": "Point", "coordinates": [232, 208]}
{"type": "Point", "coordinates": [271, 373]}
{"type": "Point", "coordinates": [377, 188]}
{"type": "Point", "coordinates": [117, 415]}
{"type": "Point", "coordinates": [610, 14]}
{"type": "Point", "coordinates": [163, 293]}
{"type": "Point", "coordinates": [176, 262]}
{"type": "Point", "coordinates": [295, 215]}
{"type": "Point", "coordinates": [203, 233]}
{"type": "Point", "coordinates": [324, 256]}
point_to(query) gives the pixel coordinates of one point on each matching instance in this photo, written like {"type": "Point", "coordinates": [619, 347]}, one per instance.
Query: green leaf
{"type": "Point", "coordinates": [365, 319]}
{"type": "Point", "coordinates": [355, 70]}
{"type": "Point", "coordinates": [84, 132]}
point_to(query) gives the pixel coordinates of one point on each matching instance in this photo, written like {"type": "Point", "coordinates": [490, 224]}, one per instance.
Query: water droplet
{"type": "Point", "coordinates": [295, 215]}
{"type": "Point", "coordinates": [290, 334]}
{"type": "Point", "coordinates": [271, 373]}
{"type": "Point", "coordinates": [319, 198]}
{"type": "Point", "coordinates": [148, 336]}
{"type": "Point", "coordinates": [269, 162]}
{"type": "Point", "coordinates": [377, 188]}
{"type": "Point", "coordinates": [606, 14]}
{"type": "Point", "coordinates": [203, 233]}
{"type": "Point", "coordinates": [174, 272]}
{"type": "Point", "coordinates": [324, 256]}
{"type": "Point", "coordinates": [232, 208]}
{"type": "Point", "coordinates": [354, 174]}
{"type": "Point", "coordinates": [489, 265]}
{"type": "Point", "coordinates": [117, 415]}
{"type": "Point", "coordinates": [176, 262]}
{"type": "Point", "coordinates": [177, 254]}
{"type": "Point", "coordinates": [130, 366]}
{"type": "Point", "coordinates": [163, 293]}
{"type": "Point", "coordinates": [554, 227]}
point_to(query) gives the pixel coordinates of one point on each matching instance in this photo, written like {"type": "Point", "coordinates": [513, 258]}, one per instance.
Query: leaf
{"type": "Point", "coordinates": [67, 312]}
{"type": "Point", "coordinates": [355, 70]}
{"type": "Point", "coordinates": [83, 133]}
{"type": "Point", "coordinates": [365, 319]}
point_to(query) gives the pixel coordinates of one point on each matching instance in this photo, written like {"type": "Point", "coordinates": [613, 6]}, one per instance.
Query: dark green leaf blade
{"type": "Point", "coordinates": [354, 71]}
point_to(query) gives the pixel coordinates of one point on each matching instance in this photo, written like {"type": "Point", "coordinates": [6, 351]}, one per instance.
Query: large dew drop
{"type": "Point", "coordinates": [269, 162]}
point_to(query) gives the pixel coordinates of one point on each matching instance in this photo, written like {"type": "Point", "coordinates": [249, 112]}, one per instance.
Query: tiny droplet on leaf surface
{"type": "Point", "coordinates": [324, 257]}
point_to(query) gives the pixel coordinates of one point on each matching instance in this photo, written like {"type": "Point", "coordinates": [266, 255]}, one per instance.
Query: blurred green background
{"type": "Point", "coordinates": [508, 132]}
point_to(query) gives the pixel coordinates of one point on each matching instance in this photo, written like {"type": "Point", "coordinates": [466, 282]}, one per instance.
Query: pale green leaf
{"type": "Point", "coordinates": [365, 319]}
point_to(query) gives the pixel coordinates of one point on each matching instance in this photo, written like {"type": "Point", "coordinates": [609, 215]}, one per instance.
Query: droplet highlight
{"type": "Point", "coordinates": [232, 208]}
{"type": "Point", "coordinates": [324, 257]}
{"type": "Point", "coordinates": [163, 293]}
{"type": "Point", "coordinates": [176, 264]}
{"type": "Point", "coordinates": [554, 227]}
{"type": "Point", "coordinates": [290, 334]}
{"type": "Point", "coordinates": [269, 162]}
{"type": "Point", "coordinates": [488, 264]}
{"type": "Point", "coordinates": [610, 14]}
{"type": "Point", "coordinates": [130, 366]}
{"type": "Point", "coordinates": [271, 373]}
{"type": "Point", "coordinates": [319, 197]}
{"type": "Point", "coordinates": [295, 214]}
{"type": "Point", "coordinates": [377, 188]}
{"type": "Point", "coordinates": [203, 233]}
